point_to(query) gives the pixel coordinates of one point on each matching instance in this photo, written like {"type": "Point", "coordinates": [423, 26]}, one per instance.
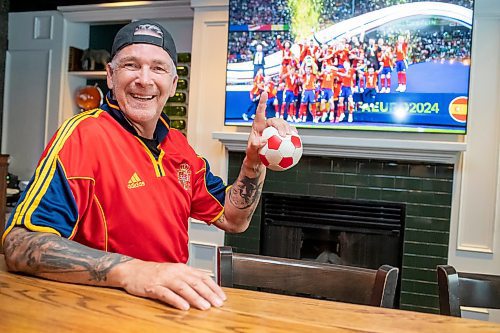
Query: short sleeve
{"type": "Point", "coordinates": [47, 204]}
{"type": "Point", "coordinates": [209, 194]}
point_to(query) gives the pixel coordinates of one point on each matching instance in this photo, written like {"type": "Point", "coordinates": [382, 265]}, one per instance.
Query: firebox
{"type": "Point", "coordinates": [339, 231]}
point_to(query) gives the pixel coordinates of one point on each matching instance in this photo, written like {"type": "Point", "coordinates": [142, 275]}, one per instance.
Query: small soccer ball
{"type": "Point", "coordinates": [280, 153]}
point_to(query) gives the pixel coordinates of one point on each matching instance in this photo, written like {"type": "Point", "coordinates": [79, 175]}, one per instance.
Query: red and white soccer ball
{"type": "Point", "coordinates": [280, 153]}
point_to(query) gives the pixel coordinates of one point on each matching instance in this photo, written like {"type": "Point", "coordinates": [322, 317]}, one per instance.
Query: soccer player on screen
{"type": "Point", "coordinates": [272, 101]}
{"type": "Point", "coordinates": [309, 50]}
{"type": "Point", "coordinates": [387, 63]}
{"type": "Point", "coordinates": [401, 62]}
{"type": "Point", "coordinates": [341, 54]}
{"type": "Point", "coordinates": [370, 93]}
{"type": "Point", "coordinates": [308, 95]}
{"type": "Point", "coordinates": [337, 86]}
{"type": "Point", "coordinates": [327, 77]}
{"type": "Point", "coordinates": [326, 56]}
{"type": "Point", "coordinates": [286, 53]}
{"type": "Point", "coordinates": [347, 74]}
{"type": "Point", "coordinates": [291, 93]}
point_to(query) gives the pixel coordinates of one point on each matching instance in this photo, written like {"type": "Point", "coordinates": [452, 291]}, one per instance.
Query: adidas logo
{"type": "Point", "coordinates": [135, 181]}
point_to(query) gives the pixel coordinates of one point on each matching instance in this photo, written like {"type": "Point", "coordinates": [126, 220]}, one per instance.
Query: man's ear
{"type": "Point", "coordinates": [109, 74]}
{"type": "Point", "coordinates": [174, 86]}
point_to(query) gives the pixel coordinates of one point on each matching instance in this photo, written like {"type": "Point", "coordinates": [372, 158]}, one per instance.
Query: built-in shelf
{"type": "Point", "coordinates": [89, 74]}
{"type": "Point", "coordinates": [370, 148]}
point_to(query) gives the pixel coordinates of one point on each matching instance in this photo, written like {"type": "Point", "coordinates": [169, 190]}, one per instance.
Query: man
{"type": "Point", "coordinates": [347, 75]}
{"type": "Point", "coordinates": [401, 61]}
{"type": "Point", "coordinates": [111, 196]}
{"type": "Point", "coordinates": [308, 80]}
{"type": "Point", "coordinates": [259, 60]}
{"type": "Point", "coordinates": [327, 79]}
{"type": "Point", "coordinates": [286, 54]}
{"type": "Point", "coordinates": [387, 63]}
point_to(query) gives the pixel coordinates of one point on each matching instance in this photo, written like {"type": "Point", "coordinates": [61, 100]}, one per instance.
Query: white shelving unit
{"type": "Point", "coordinates": [98, 75]}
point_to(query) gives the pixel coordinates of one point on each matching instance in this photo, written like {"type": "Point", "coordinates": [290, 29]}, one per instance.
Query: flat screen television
{"type": "Point", "coordinates": [375, 65]}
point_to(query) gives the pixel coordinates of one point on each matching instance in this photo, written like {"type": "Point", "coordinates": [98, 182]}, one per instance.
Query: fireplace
{"type": "Point", "coordinates": [424, 189]}
{"type": "Point", "coordinates": [358, 233]}
{"type": "Point", "coordinates": [348, 232]}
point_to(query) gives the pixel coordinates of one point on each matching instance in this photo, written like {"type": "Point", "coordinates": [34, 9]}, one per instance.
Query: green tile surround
{"type": "Point", "coordinates": [425, 189]}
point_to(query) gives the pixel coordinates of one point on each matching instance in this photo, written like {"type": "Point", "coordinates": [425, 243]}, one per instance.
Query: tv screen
{"type": "Point", "coordinates": [377, 65]}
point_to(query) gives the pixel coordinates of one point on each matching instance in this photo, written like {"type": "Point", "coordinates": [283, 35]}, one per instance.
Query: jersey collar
{"type": "Point", "coordinates": [111, 106]}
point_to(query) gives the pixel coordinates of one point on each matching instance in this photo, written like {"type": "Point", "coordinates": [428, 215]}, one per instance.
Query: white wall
{"type": "Point", "coordinates": [474, 244]}
{"type": "Point", "coordinates": [32, 82]}
{"type": "Point", "coordinates": [475, 224]}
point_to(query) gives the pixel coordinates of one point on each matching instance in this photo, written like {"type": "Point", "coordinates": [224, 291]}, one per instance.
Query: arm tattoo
{"type": "Point", "coordinates": [245, 192]}
{"type": "Point", "coordinates": [221, 219]}
{"type": "Point", "coordinates": [45, 254]}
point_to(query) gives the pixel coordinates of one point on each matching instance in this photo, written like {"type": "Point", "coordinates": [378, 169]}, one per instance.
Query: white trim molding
{"type": "Point", "coordinates": [370, 148]}
{"type": "Point", "coordinates": [210, 4]}
{"type": "Point", "coordinates": [127, 10]}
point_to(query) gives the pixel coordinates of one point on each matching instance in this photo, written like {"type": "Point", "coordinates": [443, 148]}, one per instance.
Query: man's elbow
{"type": "Point", "coordinates": [10, 256]}
{"type": "Point", "coordinates": [15, 247]}
{"type": "Point", "coordinates": [236, 226]}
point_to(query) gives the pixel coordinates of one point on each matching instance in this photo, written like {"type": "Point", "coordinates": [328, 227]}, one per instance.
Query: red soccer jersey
{"type": "Point", "coordinates": [328, 56]}
{"type": "Point", "coordinates": [286, 54]}
{"type": "Point", "coordinates": [291, 82]}
{"type": "Point", "coordinates": [327, 80]}
{"type": "Point", "coordinates": [308, 81]}
{"type": "Point", "coordinates": [336, 88]}
{"type": "Point", "coordinates": [98, 184]}
{"type": "Point", "coordinates": [271, 90]}
{"type": "Point", "coordinates": [401, 50]}
{"type": "Point", "coordinates": [371, 79]}
{"type": "Point", "coordinates": [258, 85]}
{"type": "Point", "coordinates": [342, 56]}
{"type": "Point", "coordinates": [308, 51]}
{"type": "Point", "coordinates": [347, 77]}
{"type": "Point", "coordinates": [387, 59]}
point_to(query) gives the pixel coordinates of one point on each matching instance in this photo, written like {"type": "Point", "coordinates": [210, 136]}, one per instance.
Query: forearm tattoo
{"type": "Point", "coordinates": [245, 192]}
{"type": "Point", "coordinates": [45, 255]}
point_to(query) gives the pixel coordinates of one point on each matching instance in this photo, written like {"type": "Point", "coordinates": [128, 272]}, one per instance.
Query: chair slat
{"type": "Point", "coordinates": [466, 289]}
{"type": "Point", "coordinates": [304, 278]}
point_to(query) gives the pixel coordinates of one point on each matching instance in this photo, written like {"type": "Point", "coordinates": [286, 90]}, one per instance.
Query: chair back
{"type": "Point", "coordinates": [466, 289]}
{"type": "Point", "coordinates": [308, 278]}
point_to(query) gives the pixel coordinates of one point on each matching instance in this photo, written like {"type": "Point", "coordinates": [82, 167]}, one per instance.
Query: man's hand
{"type": "Point", "coordinates": [53, 257]}
{"type": "Point", "coordinates": [178, 285]}
{"type": "Point", "coordinates": [255, 140]}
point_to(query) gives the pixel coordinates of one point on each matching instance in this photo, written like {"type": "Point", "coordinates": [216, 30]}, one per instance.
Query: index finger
{"type": "Point", "coordinates": [260, 113]}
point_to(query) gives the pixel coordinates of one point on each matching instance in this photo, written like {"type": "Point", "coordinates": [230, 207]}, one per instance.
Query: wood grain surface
{"type": "Point", "coordinates": [30, 304]}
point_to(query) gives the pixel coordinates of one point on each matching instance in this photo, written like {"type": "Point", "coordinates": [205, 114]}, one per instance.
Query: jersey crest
{"type": "Point", "coordinates": [184, 176]}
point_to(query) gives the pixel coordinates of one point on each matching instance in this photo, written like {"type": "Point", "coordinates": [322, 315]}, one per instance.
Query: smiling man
{"type": "Point", "coordinates": [113, 191]}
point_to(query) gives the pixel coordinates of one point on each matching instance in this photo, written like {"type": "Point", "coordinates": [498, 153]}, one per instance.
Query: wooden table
{"type": "Point", "coordinates": [30, 304]}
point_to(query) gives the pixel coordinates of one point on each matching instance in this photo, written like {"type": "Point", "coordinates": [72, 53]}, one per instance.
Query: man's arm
{"type": "Point", "coordinates": [243, 196]}
{"type": "Point", "coordinates": [56, 258]}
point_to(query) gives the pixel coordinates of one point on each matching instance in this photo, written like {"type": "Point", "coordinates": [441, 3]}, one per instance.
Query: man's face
{"type": "Point", "coordinates": [142, 77]}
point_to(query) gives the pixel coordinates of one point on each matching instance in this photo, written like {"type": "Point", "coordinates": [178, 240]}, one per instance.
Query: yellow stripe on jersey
{"type": "Point", "coordinates": [159, 171]}
{"type": "Point", "coordinates": [164, 122]}
{"type": "Point", "coordinates": [160, 163]}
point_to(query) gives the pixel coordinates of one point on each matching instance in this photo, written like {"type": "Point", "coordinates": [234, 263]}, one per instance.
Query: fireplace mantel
{"type": "Point", "coordinates": [370, 148]}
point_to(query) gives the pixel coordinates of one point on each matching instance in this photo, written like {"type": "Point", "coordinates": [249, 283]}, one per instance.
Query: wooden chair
{"type": "Point", "coordinates": [466, 289]}
{"type": "Point", "coordinates": [310, 279]}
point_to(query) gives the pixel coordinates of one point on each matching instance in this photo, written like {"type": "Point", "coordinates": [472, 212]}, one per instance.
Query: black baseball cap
{"type": "Point", "coordinates": [144, 32]}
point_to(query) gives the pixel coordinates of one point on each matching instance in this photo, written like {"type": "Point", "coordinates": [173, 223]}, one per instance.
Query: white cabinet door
{"type": "Point", "coordinates": [32, 87]}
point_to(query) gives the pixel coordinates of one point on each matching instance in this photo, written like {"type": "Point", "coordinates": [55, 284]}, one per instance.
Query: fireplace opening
{"type": "Point", "coordinates": [347, 232]}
